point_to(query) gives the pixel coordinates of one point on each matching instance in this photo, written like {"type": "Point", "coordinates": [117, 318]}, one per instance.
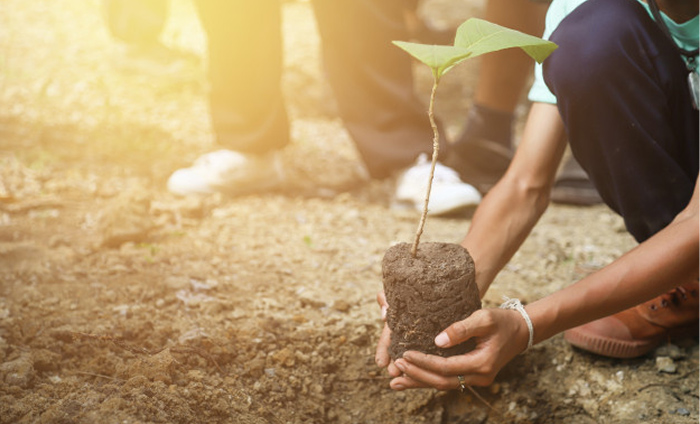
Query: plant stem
{"type": "Point", "coordinates": [436, 150]}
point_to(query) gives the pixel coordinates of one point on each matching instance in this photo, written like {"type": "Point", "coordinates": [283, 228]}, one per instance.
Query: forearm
{"type": "Point", "coordinates": [497, 231]}
{"type": "Point", "coordinates": [513, 206]}
{"type": "Point", "coordinates": [663, 262]}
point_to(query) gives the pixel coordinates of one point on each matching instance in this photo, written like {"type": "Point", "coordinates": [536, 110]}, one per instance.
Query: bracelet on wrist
{"type": "Point", "coordinates": [518, 306]}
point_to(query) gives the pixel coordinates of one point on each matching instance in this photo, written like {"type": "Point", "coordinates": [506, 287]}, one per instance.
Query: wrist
{"type": "Point", "coordinates": [516, 305]}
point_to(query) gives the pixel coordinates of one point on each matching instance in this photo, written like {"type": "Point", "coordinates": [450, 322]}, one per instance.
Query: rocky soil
{"type": "Point", "coordinates": [120, 303]}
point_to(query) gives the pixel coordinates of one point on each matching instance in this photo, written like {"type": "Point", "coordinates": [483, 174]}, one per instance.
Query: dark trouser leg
{"type": "Point", "coordinates": [245, 68]}
{"type": "Point", "coordinates": [622, 92]}
{"type": "Point", "coordinates": [372, 81]}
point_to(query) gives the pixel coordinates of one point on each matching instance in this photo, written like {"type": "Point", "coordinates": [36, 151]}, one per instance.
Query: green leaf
{"type": "Point", "coordinates": [480, 36]}
{"type": "Point", "coordinates": [474, 38]}
{"type": "Point", "coordinates": [439, 58]}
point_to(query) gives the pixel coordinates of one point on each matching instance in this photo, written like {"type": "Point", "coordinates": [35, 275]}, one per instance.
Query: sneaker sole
{"type": "Point", "coordinates": [612, 348]}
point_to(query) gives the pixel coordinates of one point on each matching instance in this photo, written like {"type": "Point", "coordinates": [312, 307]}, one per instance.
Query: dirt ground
{"type": "Point", "coordinates": [120, 303]}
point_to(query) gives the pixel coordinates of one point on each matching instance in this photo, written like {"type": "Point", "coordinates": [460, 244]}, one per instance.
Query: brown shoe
{"type": "Point", "coordinates": [636, 331]}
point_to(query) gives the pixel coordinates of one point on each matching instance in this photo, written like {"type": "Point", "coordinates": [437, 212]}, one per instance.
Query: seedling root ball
{"type": "Point", "coordinates": [426, 294]}
{"type": "Point", "coordinates": [430, 286]}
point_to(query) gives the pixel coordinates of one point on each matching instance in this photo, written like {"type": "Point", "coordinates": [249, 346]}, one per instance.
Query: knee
{"type": "Point", "coordinates": [594, 41]}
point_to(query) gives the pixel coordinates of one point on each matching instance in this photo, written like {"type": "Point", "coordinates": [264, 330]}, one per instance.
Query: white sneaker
{"type": "Point", "coordinates": [228, 172]}
{"type": "Point", "coordinates": [448, 193]}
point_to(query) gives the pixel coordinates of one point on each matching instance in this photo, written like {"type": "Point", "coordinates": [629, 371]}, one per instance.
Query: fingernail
{"type": "Point", "coordinates": [399, 387]}
{"type": "Point", "coordinates": [383, 312]}
{"type": "Point", "coordinates": [400, 365]}
{"type": "Point", "coordinates": [442, 340]}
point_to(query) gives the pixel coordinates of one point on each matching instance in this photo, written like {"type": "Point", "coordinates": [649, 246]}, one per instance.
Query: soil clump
{"type": "Point", "coordinates": [426, 294]}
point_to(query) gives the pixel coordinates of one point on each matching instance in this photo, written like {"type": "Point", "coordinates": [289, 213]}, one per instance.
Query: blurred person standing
{"type": "Point", "coordinates": [372, 82]}
{"type": "Point", "coordinates": [485, 148]}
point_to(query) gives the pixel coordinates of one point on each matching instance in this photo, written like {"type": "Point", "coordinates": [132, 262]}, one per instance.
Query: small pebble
{"type": "Point", "coordinates": [681, 411]}
{"type": "Point", "coordinates": [666, 364]}
{"type": "Point", "coordinates": [341, 306]}
{"type": "Point", "coordinates": [670, 350]}
{"type": "Point", "coordinates": [19, 372]}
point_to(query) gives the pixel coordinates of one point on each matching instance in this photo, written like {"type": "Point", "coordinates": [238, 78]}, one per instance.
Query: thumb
{"type": "Point", "coordinates": [474, 325]}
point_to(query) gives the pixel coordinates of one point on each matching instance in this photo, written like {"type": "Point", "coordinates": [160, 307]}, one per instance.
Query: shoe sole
{"type": "Point", "coordinates": [614, 348]}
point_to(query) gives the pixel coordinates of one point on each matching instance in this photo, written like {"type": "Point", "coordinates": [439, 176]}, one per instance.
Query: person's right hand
{"type": "Point", "coordinates": [499, 334]}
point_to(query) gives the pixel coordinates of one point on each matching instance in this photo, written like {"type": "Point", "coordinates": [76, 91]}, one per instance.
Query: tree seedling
{"type": "Point", "coordinates": [431, 287]}
{"type": "Point", "coordinates": [428, 293]}
{"type": "Point", "coordinates": [474, 38]}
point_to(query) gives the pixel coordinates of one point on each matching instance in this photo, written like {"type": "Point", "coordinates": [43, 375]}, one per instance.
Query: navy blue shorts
{"type": "Point", "coordinates": [622, 92]}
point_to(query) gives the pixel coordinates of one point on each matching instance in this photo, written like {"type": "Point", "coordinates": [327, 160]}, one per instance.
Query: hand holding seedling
{"type": "Point", "coordinates": [500, 334]}
{"type": "Point", "coordinates": [439, 283]}
{"type": "Point", "coordinates": [474, 38]}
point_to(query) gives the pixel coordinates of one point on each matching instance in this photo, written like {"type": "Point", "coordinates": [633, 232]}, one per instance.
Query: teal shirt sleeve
{"type": "Point", "coordinates": [557, 11]}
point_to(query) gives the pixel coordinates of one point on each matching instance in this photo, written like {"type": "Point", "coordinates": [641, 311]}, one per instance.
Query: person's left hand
{"type": "Point", "coordinates": [382, 357]}
{"type": "Point", "coordinates": [499, 334]}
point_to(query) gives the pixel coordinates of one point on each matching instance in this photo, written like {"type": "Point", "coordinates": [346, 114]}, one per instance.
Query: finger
{"type": "Point", "coordinates": [442, 373]}
{"type": "Point", "coordinates": [381, 357]}
{"type": "Point", "coordinates": [452, 365]}
{"type": "Point", "coordinates": [477, 324]}
{"type": "Point", "coordinates": [381, 300]}
{"type": "Point", "coordinates": [393, 371]}
{"type": "Point", "coordinates": [405, 382]}
{"type": "Point", "coordinates": [425, 377]}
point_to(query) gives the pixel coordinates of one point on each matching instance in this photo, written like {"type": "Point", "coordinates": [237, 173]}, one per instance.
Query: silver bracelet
{"type": "Point", "coordinates": [515, 304]}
